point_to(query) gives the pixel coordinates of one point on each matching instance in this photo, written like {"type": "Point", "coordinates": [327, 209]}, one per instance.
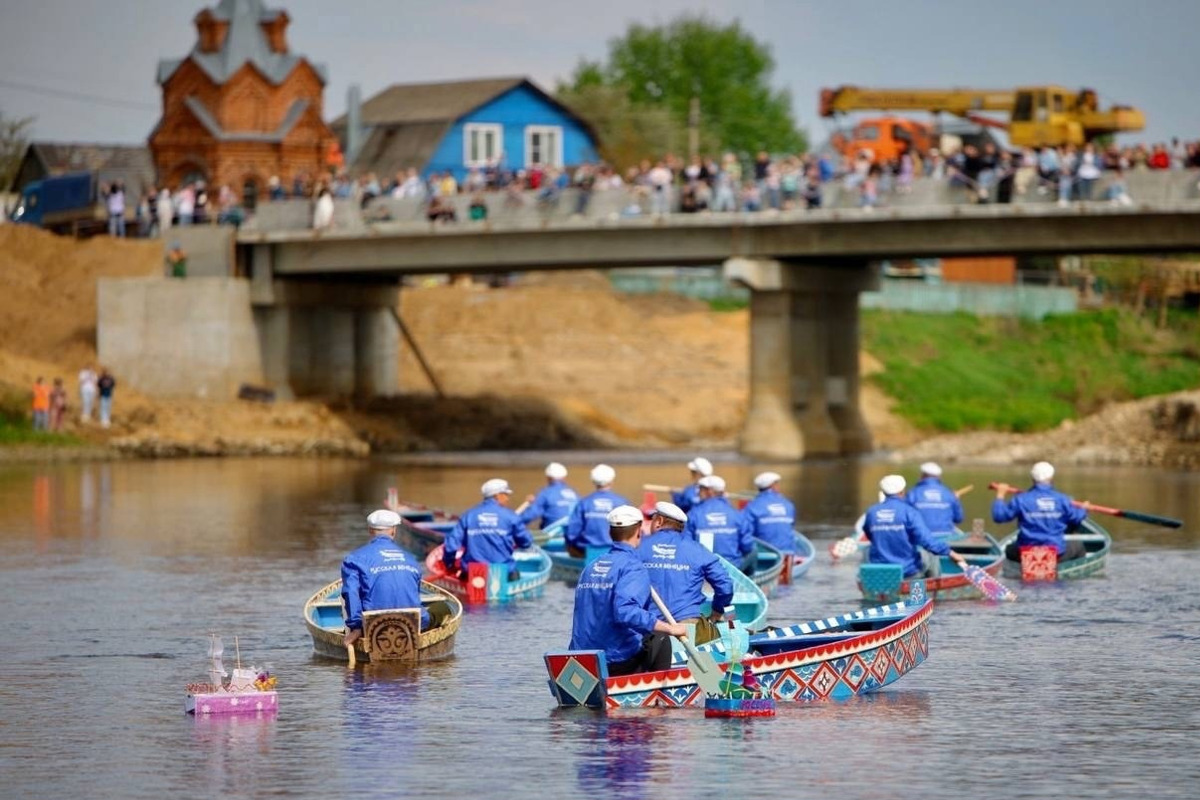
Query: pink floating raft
{"type": "Point", "coordinates": [248, 691]}
{"type": "Point", "coordinates": [741, 695]}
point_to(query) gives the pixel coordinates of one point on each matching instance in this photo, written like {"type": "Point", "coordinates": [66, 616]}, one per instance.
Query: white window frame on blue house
{"type": "Point", "coordinates": [556, 158]}
{"type": "Point", "coordinates": [470, 130]}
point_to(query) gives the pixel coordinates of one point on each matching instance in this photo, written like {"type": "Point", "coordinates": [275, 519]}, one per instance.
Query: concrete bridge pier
{"type": "Point", "coordinates": [804, 376]}
{"type": "Point", "coordinates": [319, 337]}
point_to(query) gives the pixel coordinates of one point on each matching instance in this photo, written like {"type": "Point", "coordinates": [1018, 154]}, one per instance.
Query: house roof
{"type": "Point", "coordinates": [210, 123]}
{"type": "Point", "coordinates": [245, 43]}
{"type": "Point", "coordinates": [132, 164]}
{"type": "Point", "coordinates": [390, 149]}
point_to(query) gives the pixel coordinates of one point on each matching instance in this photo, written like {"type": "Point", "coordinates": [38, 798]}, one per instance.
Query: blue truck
{"type": "Point", "coordinates": [72, 204]}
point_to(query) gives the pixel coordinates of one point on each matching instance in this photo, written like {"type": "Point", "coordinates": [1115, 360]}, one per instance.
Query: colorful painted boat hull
{"type": "Point", "coordinates": [231, 703]}
{"type": "Point", "coordinates": [489, 583]}
{"type": "Point", "coordinates": [326, 625]}
{"type": "Point", "coordinates": [848, 665]}
{"type": "Point", "coordinates": [1094, 537]}
{"type": "Point", "coordinates": [951, 584]}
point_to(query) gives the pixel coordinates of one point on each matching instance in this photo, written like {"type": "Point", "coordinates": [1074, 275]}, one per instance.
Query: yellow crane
{"type": "Point", "coordinates": [1038, 116]}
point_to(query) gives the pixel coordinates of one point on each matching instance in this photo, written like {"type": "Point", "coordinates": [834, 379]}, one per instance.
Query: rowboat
{"type": "Point", "coordinates": [881, 585]}
{"type": "Point", "coordinates": [391, 635]}
{"type": "Point", "coordinates": [797, 562]}
{"type": "Point", "coordinates": [768, 566]}
{"type": "Point", "coordinates": [831, 659]}
{"type": "Point", "coordinates": [489, 583]}
{"type": "Point", "coordinates": [421, 528]}
{"type": "Point", "coordinates": [1094, 537]}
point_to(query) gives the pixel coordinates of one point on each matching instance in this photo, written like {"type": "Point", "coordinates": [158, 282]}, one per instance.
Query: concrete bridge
{"type": "Point", "coordinates": [324, 303]}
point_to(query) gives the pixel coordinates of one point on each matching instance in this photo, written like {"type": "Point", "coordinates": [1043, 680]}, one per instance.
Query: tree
{"type": "Point", "coordinates": [664, 67]}
{"type": "Point", "coordinates": [13, 141]}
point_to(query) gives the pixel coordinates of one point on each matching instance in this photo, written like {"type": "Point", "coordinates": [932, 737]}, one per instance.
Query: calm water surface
{"type": "Point", "coordinates": [114, 573]}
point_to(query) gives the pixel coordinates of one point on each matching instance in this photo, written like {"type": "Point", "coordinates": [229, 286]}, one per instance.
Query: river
{"type": "Point", "coordinates": [114, 574]}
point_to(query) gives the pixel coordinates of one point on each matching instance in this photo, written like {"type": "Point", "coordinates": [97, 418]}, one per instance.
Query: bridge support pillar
{"type": "Point", "coordinates": [804, 346]}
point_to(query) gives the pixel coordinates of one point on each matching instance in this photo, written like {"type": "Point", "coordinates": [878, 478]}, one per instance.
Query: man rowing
{"type": "Point", "coordinates": [553, 502]}
{"type": "Point", "coordinates": [487, 533]}
{"type": "Point", "coordinates": [588, 525]}
{"type": "Point", "coordinates": [680, 566]}
{"type": "Point", "coordinates": [718, 526]}
{"type": "Point", "coordinates": [898, 533]}
{"type": "Point", "coordinates": [938, 504]}
{"type": "Point", "coordinates": [689, 496]}
{"type": "Point", "coordinates": [770, 516]}
{"type": "Point", "coordinates": [380, 575]}
{"type": "Point", "coordinates": [1043, 515]}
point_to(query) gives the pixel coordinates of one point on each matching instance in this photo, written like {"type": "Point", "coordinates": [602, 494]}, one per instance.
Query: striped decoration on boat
{"type": "Point", "coordinates": [833, 623]}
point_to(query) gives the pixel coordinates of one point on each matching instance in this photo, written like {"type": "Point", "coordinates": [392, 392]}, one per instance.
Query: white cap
{"type": "Point", "coordinates": [670, 511]}
{"type": "Point", "coordinates": [701, 464]}
{"type": "Point", "coordinates": [892, 484]}
{"type": "Point", "coordinates": [766, 480]}
{"type": "Point", "coordinates": [932, 469]}
{"type": "Point", "coordinates": [383, 519]}
{"type": "Point", "coordinates": [714, 482]}
{"type": "Point", "coordinates": [603, 475]}
{"type": "Point", "coordinates": [624, 517]}
{"type": "Point", "coordinates": [494, 487]}
{"type": "Point", "coordinates": [556, 471]}
{"type": "Point", "coordinates": [1042, 472]}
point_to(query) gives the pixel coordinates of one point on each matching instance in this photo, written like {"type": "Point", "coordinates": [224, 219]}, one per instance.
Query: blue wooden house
{"type": "Point", "coordinates": [453, 126]}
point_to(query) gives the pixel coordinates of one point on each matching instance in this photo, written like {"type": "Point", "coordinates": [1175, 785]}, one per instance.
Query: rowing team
{"type": "Point", "coordinates": [901, 525]}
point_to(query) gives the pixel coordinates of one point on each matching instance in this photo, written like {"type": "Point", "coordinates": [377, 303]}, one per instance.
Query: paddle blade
{"type": "Point", "coordinates": [843, 548]}
{"type": "Point", "coordinates": [704, 669]}
{"type": "Point", "coordinates": [1153, 519]}
{"type": "Point", "coordinates": [992, 589]}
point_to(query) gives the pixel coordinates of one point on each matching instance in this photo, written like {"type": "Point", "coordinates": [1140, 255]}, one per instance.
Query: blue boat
{"type": "Point", "coordinates": [489, 583]}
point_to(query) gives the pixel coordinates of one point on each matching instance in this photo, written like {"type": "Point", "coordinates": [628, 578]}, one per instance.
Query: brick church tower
{"type": "Point", "coordinates": [240, 108]}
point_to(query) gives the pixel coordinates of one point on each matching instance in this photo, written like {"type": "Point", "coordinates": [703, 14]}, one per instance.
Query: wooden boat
{"type": "Point", "coordinates": [769, 563]}
{"type": "Point", "coordinates": [422, 528]}
{"type": "Point", "coordinates": [830, 659]}
{"type": "Point", "coordinates": [489, 583]}
{"type": "Point", "coordinates": [951, 584]}
{"type": "Point", "coordinates": [1094, 537]}
{"type": "Point", "coordinates": [392, 635]}
{"type": "Point", "coordinates": [797, 562]}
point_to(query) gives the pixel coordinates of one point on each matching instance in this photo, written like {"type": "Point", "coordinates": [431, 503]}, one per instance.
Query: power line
{"type": "Point", "coordinates": [80, 96]}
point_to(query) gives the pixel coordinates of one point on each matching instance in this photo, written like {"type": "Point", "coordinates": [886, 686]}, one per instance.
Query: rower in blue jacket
{"type": "Point", "coordinates": [689, 496]}
{"type": "Point", "coordinates": [1043, 515]}
{"type": "Point", "coordinates": [718, 526]}
{"type": "Point", "coordinates": [588, 525]}
{"type": "Point", "coordinates": [612, 604]}
{"type": "Point", "coordinates": [771, 516]}
{"type": "Point", "coordinates": [553, 502]}
{"type": "Point", "coordinates": [897, 532]}
{"type": "Point", "coordinates": [380, 575]}
{"type": "Point", "coordinates": [680, 566]}
{"type": "Point", "coordinates": [938, 503]}
{"type": "Point", "coordinates": [488, 533]}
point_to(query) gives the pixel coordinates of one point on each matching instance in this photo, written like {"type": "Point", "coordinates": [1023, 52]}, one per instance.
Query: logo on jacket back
{"type": "Point", "coordinates": [569, 494]}
{"type": "Point", "coordinates": [932, 495]}
{"type": "Point", "coordinates": [663, 551]}
{"type": "Point", "coordinates": [715, 518]}
{"type": "Point", "coordinates": [777, 509]}
{"type": "Point", "coordinates": [602, 504]}
{"type": "Point", "coordinates": [1046, 504]}
{"type": "Point", "coordinates": [885, 515]}
{"type": "Point", "coordinates": [489, 520]}
{"type": "Point", "coordinates": [601, 568]}
{"type": "Point", "coordinates": [393, 555]}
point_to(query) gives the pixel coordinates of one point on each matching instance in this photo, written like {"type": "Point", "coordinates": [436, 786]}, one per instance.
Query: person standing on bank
{"type": "Point", "coordinates": [87, 393]}
{"type": "Point", "coordinates": [487, 533]}
{"type": "Point", "coordinates": [588, 525]}
{"type": "Point", "coordinates": [718, 526]}
{"type": "Point", "coordinates": [612, 604]}
{"type": "Point", "coordinates": [553, 502]}
{"type": "Point", "coordinates": [679, 568]}
{"type": "Point", "coordinates": [380, 575]}
{"type": "Point", "coordinates": [898, 532]}
{"type": "Point", "coordinates": [689, 496]}
{"type": "Point", "coordinates": [770, 516]}
{"type": "Point", "coordinates": [1043, 515]}
{"type": "Point", "coordinates": [938, 504]}
{"type": "Point", "coordinates": [105, 385]}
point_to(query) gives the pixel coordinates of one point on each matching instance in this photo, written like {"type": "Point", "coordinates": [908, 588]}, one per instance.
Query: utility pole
{"type": "Point", "coordinates": [694, 127]}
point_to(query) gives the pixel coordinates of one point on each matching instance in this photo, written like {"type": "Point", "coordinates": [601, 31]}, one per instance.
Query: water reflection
{"type": "Point", "coordinates": [615, 753]}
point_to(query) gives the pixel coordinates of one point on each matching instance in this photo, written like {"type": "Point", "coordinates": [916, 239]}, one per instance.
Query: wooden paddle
{"type": "Point", "coordinates": [351, 657]}
{"type": "Point", "coordinates": [1139, 516]}
{"type": "Point", "coordinates": [964, 490]}
{"type": "Point", "coordinates": [992, 589]}
{"type": "Point", "coordinates": [702, 666]}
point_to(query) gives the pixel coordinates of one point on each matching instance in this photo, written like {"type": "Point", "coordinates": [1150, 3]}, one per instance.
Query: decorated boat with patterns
{"type": "Point", "coordinates": [885, 583]}
{"type": "Point", "coordinates": [490, 583]}
{"type": "Point", "coordinates": [1093, 536]}
{"type": "Point", "coordinates": [389, 635]}
{"type": "Point", "coordinates": [831, 659]}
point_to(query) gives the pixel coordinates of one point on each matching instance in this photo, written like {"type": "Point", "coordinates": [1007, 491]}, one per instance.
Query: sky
{"type": "Point", "coordinates": [85, 69]}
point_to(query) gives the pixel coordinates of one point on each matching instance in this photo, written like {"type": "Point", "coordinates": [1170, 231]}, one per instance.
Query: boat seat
{"type": "Point", "coordinates": [881, 580]}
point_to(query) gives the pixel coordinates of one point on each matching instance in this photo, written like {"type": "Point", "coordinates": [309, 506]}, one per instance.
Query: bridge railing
{"type": "Point", "coordinates": [523, 208]}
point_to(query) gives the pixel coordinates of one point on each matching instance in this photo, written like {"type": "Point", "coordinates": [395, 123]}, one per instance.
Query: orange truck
{"type": "Point", "coordinates": [886, 138]}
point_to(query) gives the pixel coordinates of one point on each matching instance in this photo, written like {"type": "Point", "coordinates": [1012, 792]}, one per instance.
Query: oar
{"type": "Point", "coordinates": [1139, 516]}
{"type": "Point", "coordinates": [350, 656]}
{"type": "Point", "coordinates": [992, 589]}
{"type": "Point", "coordinates": [964, 490]}
{"type": "Point", "coordinates": [658, 487]}
{"type": "Point", "coordinates": [521, 508]}
{"type": "Point", "coordinates": [702, 666]}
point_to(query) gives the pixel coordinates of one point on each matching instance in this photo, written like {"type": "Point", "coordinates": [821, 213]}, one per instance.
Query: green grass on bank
{"type": "Point", "coordinates": [15, 426]}
{"type": "Point", "coordinates": [959, 372]}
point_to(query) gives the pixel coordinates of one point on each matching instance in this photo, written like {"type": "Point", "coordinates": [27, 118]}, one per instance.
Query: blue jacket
{"type": "Point", "coordinates": [678, 569]}
{"type": "Point", "coordinates": [551, 504]}
{"type": "Point", "coordinates": [716, 518]}
{"type": "Point", "coordinates": [896, 530]}
{"type": "Point", "coordinates": [588, 525]}
{"type": "Point", "coordinates": [938, 505]}
{"type": "Point", "coordinates": [381, 575]}
{"type": "Point", "coordinates": [688, 498]}
{"type": "Point", "coordinates": [772, 518]}
{"type": "Point", "coordinates": [1042, 514]}
{"type": "Point", "coordinates": [488, 533]}
{"type": "Point", "coordinates": [612, 605]}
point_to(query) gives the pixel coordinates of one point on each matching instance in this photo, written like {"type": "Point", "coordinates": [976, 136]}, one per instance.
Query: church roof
{"type": "Point", "coordinates": [245, 43]}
